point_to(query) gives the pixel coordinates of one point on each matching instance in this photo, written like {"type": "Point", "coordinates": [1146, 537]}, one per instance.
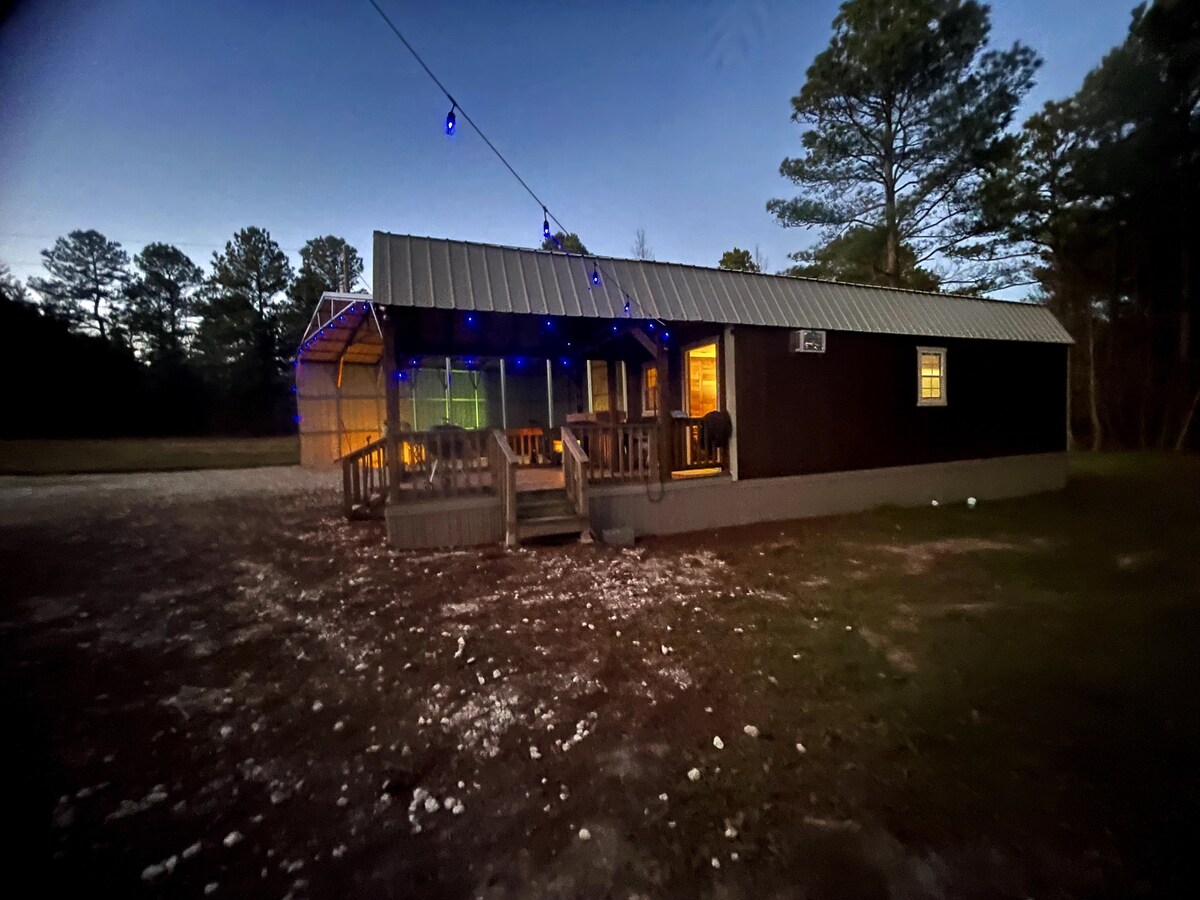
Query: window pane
{"type": "Point", "coordinates": [649, 388]}
{"type": "Point", "coordinates": [599, 372]}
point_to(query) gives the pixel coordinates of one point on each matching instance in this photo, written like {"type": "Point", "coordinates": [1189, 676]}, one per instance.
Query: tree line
{"type": "Point", "coordinates": [108, 344]}
{"type": "Point", "coordinates": [913, 170]}
{"type": "Point", "coordinates": [916, 176]}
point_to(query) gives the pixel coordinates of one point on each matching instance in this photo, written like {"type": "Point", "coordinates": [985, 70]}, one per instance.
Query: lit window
{"type": "Point", "coordinates": [598, 386]}
{"type": "Point", "coordinates": [702, 393]}
{"type": "Point", "coordinates": [931, 376]}
{"type": "Point", "coordinates": [649, 389]}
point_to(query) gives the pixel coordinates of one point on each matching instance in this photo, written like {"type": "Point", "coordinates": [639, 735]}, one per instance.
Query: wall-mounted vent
{"type": "Point", "coordinates": [807, 340]}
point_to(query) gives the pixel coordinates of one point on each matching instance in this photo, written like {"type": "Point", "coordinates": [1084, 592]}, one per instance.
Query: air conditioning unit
{"type": "Point", "coordinates": [807, 340]}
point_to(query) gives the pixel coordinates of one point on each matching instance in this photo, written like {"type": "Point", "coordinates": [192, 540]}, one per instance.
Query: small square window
{"type": "Point", "coordinates": [931, 376]}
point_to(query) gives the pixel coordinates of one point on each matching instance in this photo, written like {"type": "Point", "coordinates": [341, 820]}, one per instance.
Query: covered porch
{"type": "Point", "coordinates": [503, 421]}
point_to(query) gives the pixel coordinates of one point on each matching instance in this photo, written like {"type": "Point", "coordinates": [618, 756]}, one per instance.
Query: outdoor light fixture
{"type": "Point", "coordinates": [470, 319]}
{"type": "Point", "coordinates": [450, 119]}
{"type": "Point", "coordinates": [545, 222]}
{"type": "Point", "coordinates": [595, 274]}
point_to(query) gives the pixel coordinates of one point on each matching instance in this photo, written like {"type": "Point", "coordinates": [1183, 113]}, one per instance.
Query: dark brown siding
{"type": "Point", "coordinates": [855, 406]}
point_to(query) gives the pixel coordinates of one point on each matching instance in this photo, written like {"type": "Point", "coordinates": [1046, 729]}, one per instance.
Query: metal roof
{"type": "Point", "coordinates": [445, 274]}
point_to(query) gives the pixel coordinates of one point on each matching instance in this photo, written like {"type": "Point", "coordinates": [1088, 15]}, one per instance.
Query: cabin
{"type": "Point", "coordinates": [485, 394]}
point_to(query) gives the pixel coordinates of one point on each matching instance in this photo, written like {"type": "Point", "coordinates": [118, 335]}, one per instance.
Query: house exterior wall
{"type": "Point", "coordinates": [855, 406]}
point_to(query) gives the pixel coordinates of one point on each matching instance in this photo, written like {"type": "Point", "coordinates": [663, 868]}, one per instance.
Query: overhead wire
{"type": "Point", "coordinates": [627, 296]}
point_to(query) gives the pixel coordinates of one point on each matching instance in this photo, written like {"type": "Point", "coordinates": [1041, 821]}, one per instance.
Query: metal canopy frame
{"type": "Point", "coordinates": [343, 329]}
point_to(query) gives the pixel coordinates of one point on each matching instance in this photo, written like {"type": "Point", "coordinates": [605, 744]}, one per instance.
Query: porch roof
{"type": "Point", "coordinates": [444, 274]}
{"type": "Point", "coordinates": [343, 329]}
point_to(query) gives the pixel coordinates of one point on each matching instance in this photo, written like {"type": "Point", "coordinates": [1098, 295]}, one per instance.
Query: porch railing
{"type": "Point", "coordinates": [444, 462]}
{"type": "Point", "coordinates": [575, 466]}
{"type": "Point", "coordinates": [689, 450]}
{"type": "Point", "coordinates": [365, 479]}
{"type": "Point", "coordinates": [503, 462]}
{"type": "Point", "coordinates": [619, 452]}
{"type": "Point", "coordinates": [530, 445]}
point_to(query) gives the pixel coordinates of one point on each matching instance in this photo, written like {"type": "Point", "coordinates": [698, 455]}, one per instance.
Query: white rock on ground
{"type": "Point", "coordinates": [800, 748]}
{"type": "Point", "coordinates": [232, 838]}
{"type": "Point", "coordinates": [718, 743]}
{"type": "Point", "coordinates": [584, 834]}
{"type": "Point", "coordinates": [693, 774]}
{"type": "Point", "coordinates": [157, 870]}
{"type": "Point", "coordinates": [751, 731]}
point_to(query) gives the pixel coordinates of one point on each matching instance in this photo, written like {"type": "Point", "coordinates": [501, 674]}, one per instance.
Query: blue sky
{"type": "Point", "coordinates": [152, 120]}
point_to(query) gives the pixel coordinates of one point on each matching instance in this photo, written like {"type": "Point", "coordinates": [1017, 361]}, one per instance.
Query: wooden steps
{"type": "Point", "coordinates": [547, 513]}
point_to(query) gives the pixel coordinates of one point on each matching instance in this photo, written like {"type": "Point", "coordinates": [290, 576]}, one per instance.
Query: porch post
{"type": "Point", "coordinates": [503, 397]}
{"type": "Point", "coordinates": [549, 397]}
{"type": "Point", "coordinates": [729, 386]}
{"type": "Point", "coordinates": [391, 388]}
{"type": "Point", "coordinates": [666, 436]}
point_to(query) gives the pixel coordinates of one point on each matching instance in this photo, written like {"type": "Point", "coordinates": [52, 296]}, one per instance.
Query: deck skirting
{"type": "Point", "coordinates": [718, 502]}
{"type": "Point", "coordinates": [447, 522]}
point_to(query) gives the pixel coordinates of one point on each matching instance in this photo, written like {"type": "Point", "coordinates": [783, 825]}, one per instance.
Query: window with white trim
{"type": "Point", "coordinates": [931, 376]}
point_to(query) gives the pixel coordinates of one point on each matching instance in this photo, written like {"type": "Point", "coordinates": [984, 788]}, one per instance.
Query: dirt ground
{"type": "Point", "coordinates": [213, 685]}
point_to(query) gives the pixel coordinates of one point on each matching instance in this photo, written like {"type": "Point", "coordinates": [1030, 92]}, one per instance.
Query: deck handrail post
{"type": "Point", "coordinates": [575, 474]}
{"type": "Point", "coordinates": [504, 460]}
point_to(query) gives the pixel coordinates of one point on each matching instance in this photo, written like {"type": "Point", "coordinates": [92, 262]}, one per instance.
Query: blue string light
{"type": "Point", "coordinates": [595, 274]}
{"type": "Point", "coordinates": [450, 120]}
{"type": "Point", "coordinates": [545, 222]}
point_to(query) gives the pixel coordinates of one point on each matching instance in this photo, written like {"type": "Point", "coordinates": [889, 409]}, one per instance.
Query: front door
{"type": "Point", "coordinates": [702, 395]}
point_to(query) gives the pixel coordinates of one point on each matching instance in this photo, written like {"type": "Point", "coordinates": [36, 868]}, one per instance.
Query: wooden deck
{"type": "Point", "coordinates": [463, 487]}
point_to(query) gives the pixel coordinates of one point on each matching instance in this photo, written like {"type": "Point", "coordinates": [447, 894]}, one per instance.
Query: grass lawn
{"type": "Point", "coordinates": [63, 457]}
{"type": "Point", "coordinates": [254, 693]}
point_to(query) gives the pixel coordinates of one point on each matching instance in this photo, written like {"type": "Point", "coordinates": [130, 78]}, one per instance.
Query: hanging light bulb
{"type": "Point", "coordinates": [545, 222]}
{"type": "Point", "coordinates": [595, 274]}
{"type": "Point", "coordinates": [450, 119]}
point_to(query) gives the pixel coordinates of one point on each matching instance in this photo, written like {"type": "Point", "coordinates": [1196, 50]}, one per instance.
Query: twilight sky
{"type": "Point", "coordinates": [155, 120]}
